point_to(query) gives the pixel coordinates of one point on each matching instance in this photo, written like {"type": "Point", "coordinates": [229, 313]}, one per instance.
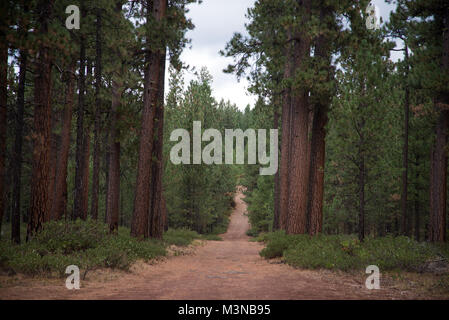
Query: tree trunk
{"type": "Point", "coordinates": [79, 186]}
{"type": "Point", "coordinates": [97, 127]}
{"type": "Point", "coordinates": [42, 127]}
{"type": "Point", "coordinates": [3, 110]}
{"type": "Point", "coordinates": [316, 178]}
{"type": "Point", "coordinates": [318, 142]}
{"type": "Point", "coordinates": [438, 170]}
{"type": "Point", "coordinates": [285, 143]}
{"type": "Point", "coordinates": [113, 200]}
{"type": "Point", "coordinates": [299, 155]}
{"type": "Point", "coordinates": [139, 225]}
{"type": "Point", "coordinates": [53, 162]}
{"type": "Point", "coordinates": [59, 206]}
{"type": "Point", "coordinates": [86, 161]}
{"type": "Point", "coordinates": [437, 224]}
{"type": "Point", "coordinates": [106, 157]}
{"type": "Point", "coordinates": [156, 218]}
{"type": "Point", "coordinates": [362, 182]}
{"type": "Point", "coordinates": [405, 149]}
{"type": "Point", "coordinates": [276, 223]}
{"type": "Point", "coordinates": [18, 144]}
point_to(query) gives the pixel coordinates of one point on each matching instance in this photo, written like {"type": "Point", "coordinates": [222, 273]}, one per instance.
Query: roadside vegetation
{"type": "Point", "coordinates": [347, 253]}
{"type": "Point", "coordinates": [87, 244]}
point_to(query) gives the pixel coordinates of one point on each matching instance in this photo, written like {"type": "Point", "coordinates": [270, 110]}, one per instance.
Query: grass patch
{"type": "Point", "coordinates": [344, 252]}
{"type": "Point", "coordinates": [86, 244]}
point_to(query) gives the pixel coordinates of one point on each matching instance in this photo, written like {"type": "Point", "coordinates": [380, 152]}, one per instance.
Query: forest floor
{"type": "Point", "coordinates": [228, 269]}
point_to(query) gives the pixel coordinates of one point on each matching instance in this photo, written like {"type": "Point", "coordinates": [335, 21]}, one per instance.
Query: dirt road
{"type": "Point", "coordinates": [228, 269]}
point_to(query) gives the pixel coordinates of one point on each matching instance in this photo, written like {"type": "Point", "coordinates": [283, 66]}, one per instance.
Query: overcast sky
{"type": "Point", "coordinates": [215, 23]}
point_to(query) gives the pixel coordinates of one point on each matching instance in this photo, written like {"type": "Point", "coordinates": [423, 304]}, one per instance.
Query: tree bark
{"type": "Point", "coordinates": [18, 144]}
{"type": "Point", "coordinates": [362, 182]}
{"type": "Point", "coordinates": [78, 201]}
{"type": "Point", "coordinates": [42, 126]}
{"type": "Point", "coordinates": [113, 195]}
{"type": "Point", "coordinates": [299, 155]}
{"type": "Point", "coordinates": [86, 166]}
{"type": "Point", "coordinates": [318, 142]}
{"type": "Point", "coordinates": [316, 178]}
{"type": "Point", "coordinates": [157, 213]}
{"type": "Point", "coordinates": [404, 195]}
{"type": "Point", "coordinates": [285, 142]}
{"type": "Point", "coordinates": [276, 222]}
{"type": "Point", "coordinates": [438, 170]}
{"type": "Point", "coordinates": [97, 121]}
{"type": "Point", "coordinates": [59, 206]}
{"type": "Point", "coordinates": [3, 108]}
{"type": "Point", "coordinates": [139, 225]}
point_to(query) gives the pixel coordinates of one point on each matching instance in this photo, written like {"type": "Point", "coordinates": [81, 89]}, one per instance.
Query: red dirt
{"type": "Point", "coordinates": [228, 269]}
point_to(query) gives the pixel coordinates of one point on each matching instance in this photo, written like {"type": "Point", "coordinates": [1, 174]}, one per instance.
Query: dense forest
{"type": "Point", "coordinates": [364, 138]}
{"type": "Point", "coordinates": [86, 119]}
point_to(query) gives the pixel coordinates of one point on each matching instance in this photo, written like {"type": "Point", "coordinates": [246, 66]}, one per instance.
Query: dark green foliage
{"type": "Point", "coordinates": [86, 244]}
{"type": "Point", "coordinates": [342, 252]}
{"type": "Point", "coordinates": [198, 196]}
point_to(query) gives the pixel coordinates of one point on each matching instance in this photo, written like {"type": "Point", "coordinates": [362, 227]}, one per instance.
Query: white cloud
{"type": "Point", "coordinates": [215, 23]}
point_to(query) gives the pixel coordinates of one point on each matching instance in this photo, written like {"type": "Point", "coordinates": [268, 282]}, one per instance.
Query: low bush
{"type": "Point", "coordinates": [346, 253]}
{"type": "Point", "coordinates": [86, 244]}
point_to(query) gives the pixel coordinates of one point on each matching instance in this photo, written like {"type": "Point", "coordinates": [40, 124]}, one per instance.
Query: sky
{"type": "Point", "coordinates": [215, 22]}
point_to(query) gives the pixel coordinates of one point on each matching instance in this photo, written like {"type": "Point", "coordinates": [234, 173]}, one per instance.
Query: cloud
{"type": "Point", "coordinates": [215, 22]}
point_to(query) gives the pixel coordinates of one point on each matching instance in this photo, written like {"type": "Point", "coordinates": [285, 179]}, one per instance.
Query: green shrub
{"type": "Point", "coordinates": [277, 244]}
{"type": "Point", "coordinates": [347, 253]}
{"type": "Point", "coordinates": [86, 244]}
{"type": "Point", "coordinates": [180, 237]}
{"type": "Point", "coordinates": [71, 236]}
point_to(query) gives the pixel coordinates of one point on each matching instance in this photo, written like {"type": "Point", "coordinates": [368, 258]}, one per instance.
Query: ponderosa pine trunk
{"type": "Point", "coordinates": [55, 138]}
{"type": "Point", "coordinates": [276, 223]}
{"type": "Point", "coordinates": [362, 183]}
{"type": "Point", "coordinates": [59, 205]}
{"type": "Point", "coordinates": [86, 166]}
{"type": "Point", "coordinates": [41, 125]}
{"type": "Point", "coordinates": [438, 169]}
{"type": "Point", "coordinates": [97, 121]}
{"type": "Point", "coordinates": [156, 219]}
{"type": "Point", "coordinates": [299, 153]}
{"type": "Point", "coordinates": [78, 201]}
{"type": "Point", "coordinates": [18, 144]}
{"type": "Point", "coordinates": [404, 195]}
{"type": "Point", "coordinates": [113, 194]}
{"type": "Point", "coordinates": [285, 142]}
{"type": "Point", "coordinates": [316, 178]}
{"type": "Point", "coordinates": [318, 141]}
{"type": "Point", "coordinates": [153, 60]}
{"type": "Point", "coordinates": [3, 108]}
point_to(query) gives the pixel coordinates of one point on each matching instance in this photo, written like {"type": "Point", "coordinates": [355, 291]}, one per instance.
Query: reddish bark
{"type": "Point", "coordinates": [139, 225]}
{"type": "Point", "coordinates": [113, 194]}
{"type": "Point", "coordinates": [299, 155]}
{"type": "Point", "coordinates": [156, 225]}
{"type": "Point", "coordinates": [18, 144]}
{"type": "Point", "coordinates": [97, 127]}
{"type": "Point", "coordinates": [59, 207]}
{"type": "Point", "coordinates": [86, 166]}
{"type": "Point", "coordinates": [41, 127]}
{"type": "Point", "coordinates": [285, 144]}
{"type": "Point", "coordinates": [438, 170]}
{"type": "Point", "coordinates": [3, 106]}
{"type": "Point", "coordinates": [276, 223]}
